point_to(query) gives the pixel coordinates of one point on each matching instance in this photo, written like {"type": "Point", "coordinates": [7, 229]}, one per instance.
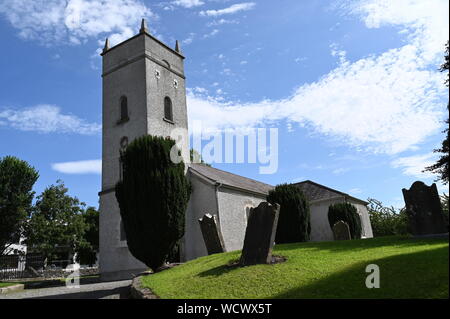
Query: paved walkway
{"type": "Point", "coordinates": [103, 290]}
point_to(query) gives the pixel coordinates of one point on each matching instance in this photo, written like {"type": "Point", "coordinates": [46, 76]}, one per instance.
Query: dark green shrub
{"type": "Point", "coordinates": [153, 196]}
{"type": "Point", "coordinates": [347, 213]}
{"type": "Point", "coordinates": [294, 220]}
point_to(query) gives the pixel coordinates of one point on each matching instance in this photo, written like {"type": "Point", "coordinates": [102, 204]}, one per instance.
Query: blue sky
{"type": "Point", "coordinates": [352, 86]}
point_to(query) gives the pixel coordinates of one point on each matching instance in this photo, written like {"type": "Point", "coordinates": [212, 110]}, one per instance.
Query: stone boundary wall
{"type": "Point", "coordinates": [139, 292]}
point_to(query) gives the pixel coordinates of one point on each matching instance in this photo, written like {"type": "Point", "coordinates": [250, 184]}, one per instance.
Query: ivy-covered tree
{"type": "Point", "coordinates": [387, 221]}
{"type": "Point", "coordinates": [347, 213]}
{"type": "Point", "coordinates": [294, 219]}
{"type": "Point", "coordinates": [441, 166]}
{"type": "Point", "coordinates": [444, 204]}
{"type": "Point", "coordinates": [153, 196]}
{"type": "Point", "coordinates": [56, 227]}
{"type": "Point", "coordinates": [17, 178]}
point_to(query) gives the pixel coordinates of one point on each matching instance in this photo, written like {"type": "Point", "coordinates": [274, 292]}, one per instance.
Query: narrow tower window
{"type": "Point", "coordinates": [123, 109]}
{"type": "Point", "coordinates": [123, 236]}
{"type": "Point", "coordinates": [168, 114]}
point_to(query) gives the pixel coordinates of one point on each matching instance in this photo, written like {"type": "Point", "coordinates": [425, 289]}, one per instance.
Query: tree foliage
{"type": "Point", "coordinates": [87, 252]}
{"type": "Point", "coordinates": [444, 204]}
{"type": "Point", "coordinates": [441, 166]}
{"type": "Point", "coordinates": [152, 196]}
{"type": "Point", "coordinates": [196, 157]}
{"type": "Point", "coordinates": [347, 213]}
{"type": "Point", "coordinates": [387, 221]}
{"type": "Point", "coordinates": [294, 220]}
{"type": "Point", "coordinates": [56, 225]}
{"type": "Point", "coordinates": [17, 178]}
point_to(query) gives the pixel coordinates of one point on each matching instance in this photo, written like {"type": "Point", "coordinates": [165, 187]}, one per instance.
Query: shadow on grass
{"type": "Point", "coordinates": [220, 270]}
{"type": "Point", "coordinates": [416, 275]}
{"type": "Point", "coordinates": [361, 244]}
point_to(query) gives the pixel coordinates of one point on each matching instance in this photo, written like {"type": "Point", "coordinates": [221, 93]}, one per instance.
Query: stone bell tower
{"type": "Point", "coordinates": [143, 93]}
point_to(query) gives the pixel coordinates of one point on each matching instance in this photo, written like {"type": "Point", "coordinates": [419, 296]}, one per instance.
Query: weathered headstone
{"type": "Point", "coordinates": [423, 207]}
{"type": "Point", "coordinates": [260, 234]}
{"type": "Point", "coordinates": [211, 234]}
{"type": "Point", "coordinates": [341, 231]}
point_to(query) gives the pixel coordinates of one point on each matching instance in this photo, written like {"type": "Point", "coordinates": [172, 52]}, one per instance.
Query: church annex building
{"type": "Point", "coordinates": [144, 93]}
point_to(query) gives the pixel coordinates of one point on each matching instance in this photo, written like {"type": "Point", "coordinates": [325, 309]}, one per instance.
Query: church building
{"type": "Point", "coordinates": [144, 92]}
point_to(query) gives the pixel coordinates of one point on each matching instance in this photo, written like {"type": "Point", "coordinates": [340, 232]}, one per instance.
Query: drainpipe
{"type": "Point", "coordinates": [217, 186]}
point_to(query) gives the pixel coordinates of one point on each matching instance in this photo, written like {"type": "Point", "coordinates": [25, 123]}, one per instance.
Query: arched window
{"type": "Point", "coordinates": [167, 64]}
{"type": "Point", "coordinates": [123, 109]}
{"type": "Point", "coordinates": [168, 114]}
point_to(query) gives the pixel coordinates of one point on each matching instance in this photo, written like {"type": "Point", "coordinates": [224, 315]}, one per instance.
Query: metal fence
{"type": "Point", "coordinates": [20, 266]}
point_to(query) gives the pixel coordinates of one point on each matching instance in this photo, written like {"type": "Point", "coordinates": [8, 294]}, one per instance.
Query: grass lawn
{"type": "Point", "coordinates": [409, 268]}
{"type": "Point", "coordinates": [7, 284]}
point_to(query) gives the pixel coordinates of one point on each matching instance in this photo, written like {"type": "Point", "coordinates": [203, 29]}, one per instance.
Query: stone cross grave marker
{"type": "Point", "coordinates": [341, 231]}
{"type": "Point", "coordinates": [211, 234]}
{"type": "Point", "coordinates": [260, 234]}
{"type": "Point", "coordinates": [423, 207]}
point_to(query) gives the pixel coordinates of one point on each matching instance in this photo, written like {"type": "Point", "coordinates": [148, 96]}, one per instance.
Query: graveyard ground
{"type": "Point", "coordinates": [409, 268]}
{"type": "Point", "coordinates": [7, 284]}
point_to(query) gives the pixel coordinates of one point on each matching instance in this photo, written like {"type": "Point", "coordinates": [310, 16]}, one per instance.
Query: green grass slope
{"type": "Point", "coordinates": [7, 284]}
{"type": "Point", "coordinates": [409, 268]}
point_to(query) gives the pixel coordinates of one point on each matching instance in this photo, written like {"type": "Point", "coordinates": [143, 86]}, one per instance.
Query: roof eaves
{"type": "Point", "coordinates": [333, 190]}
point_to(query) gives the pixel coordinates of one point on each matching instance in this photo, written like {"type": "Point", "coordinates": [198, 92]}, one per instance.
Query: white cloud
{"type": "Point", "coordinates": [355, 191]}
{"type": "Point", "coordinates": [46, 119]}
{"type": "Point", "coordinates": [189, 39]}
{"type": "Point", "coordinates": [230, 10]}
{"type": "Point", "coordinates": [221, 22]}
{"type": "Point", "coordinates": [188, 3]}
{"type": "Point", "coordinates": [79, 167]}
{"type": "Point", "coordinates": [199, 90]}
{"type": "Point", "coordinates": [300, 59]}
{"type": "Point", "coordinates": [424, 22]}
{"type": "Point", "coordinates": [75, 21]}
{"type": "Point", "coordinates": [414, 165]}
{"type": "Point", "coordinates": [385, 103]}
{"type": "Point", "coordinates": [340, 171]}
{"type": "Point", "coordinates": [211, 34]}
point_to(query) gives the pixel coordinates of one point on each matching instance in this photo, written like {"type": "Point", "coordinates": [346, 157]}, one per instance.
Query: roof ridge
{"type": "Point", "coordinates": [217, 169]}
{"type": "Point", "coordinates": [322, 186]}
{"type": "Point", "coordinates": [330, 189]}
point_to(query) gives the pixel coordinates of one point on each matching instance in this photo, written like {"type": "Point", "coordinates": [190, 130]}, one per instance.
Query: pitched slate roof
{"type": "Point", "coordinates": [235, 181]}
{"type": "Point", "coordinates": [314, 191]}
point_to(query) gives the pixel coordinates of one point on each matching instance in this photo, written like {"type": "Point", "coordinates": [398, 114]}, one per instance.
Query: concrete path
{"type": "Point", "coordinates": [103, 290]}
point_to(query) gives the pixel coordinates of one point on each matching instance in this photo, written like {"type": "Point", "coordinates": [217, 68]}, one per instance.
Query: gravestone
{"type": "Point", "coordinates": [211, 234]}
{"type": "Point", "coordinates": [424, 211]}
{"type": "Point", "coordinates": [341, 231]}
{"type": "Point", "coordinates": [260, 234]}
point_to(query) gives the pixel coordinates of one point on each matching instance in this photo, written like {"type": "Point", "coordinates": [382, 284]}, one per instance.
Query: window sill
{"type": "Point", "coordinates": [168, 121]}
{"type": "Point", "coordinates": [122, 121]}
